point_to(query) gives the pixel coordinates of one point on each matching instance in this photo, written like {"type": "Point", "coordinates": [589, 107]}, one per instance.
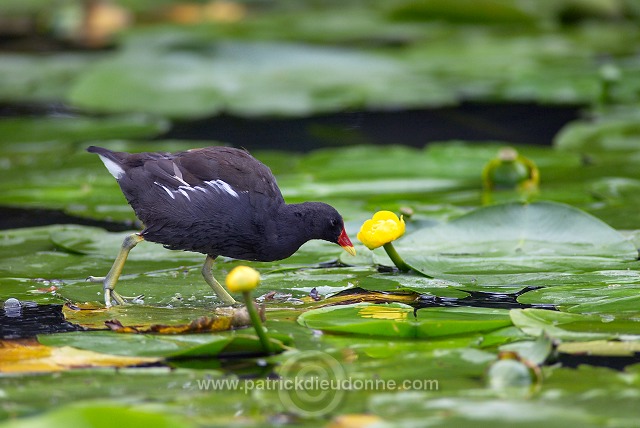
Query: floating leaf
{"type": "Point", "coordinates": [398, 320]}
{"type": "Point", "coordinates": [617, 131]}
{"type": "Point", "coordinates": [98, 415]}
{"type": "Point", "coordinates": [516, 238]}
{"type": "Point", "coordinates": [226, 318]}
{"type": "Point", "coordinates": [608, 348]}
{"type": "Point", "coordinates": [28, 356]}
{"type": "Point", "coordinates": [166, 346]}
{"type": "Point", "coordinates": [614, 298]}
{"type": "Point", "coordinates": [533, 351]}
{"type": "Point", "coordinates": [241, 77]}
{"type": "Point", "coordinates": [40, 78]}
{"type": "Point", "coordinates": [74, 129]}
{"type": "Point", "coordinates": [574, 327]}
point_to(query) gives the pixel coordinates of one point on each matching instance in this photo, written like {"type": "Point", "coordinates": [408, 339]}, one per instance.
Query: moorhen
{"type": "Point", "coordinates": [219, 201]}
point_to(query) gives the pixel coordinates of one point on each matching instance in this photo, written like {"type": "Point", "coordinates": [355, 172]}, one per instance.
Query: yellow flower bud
{"type": "Point", "coordinates": [383, 228]}
{"type": "Point", "coordinates": [242, 278]}
{"type": "Point", "coordinates": [510, 170]}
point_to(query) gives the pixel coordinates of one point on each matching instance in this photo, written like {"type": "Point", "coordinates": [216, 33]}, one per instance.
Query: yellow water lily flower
{"type": "Point", "coordinates": [381, 229]}
{"type": "Point", "coordinates": [242, 278]}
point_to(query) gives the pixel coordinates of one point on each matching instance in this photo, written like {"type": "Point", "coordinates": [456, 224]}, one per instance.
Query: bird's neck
{"type": "Point", "coordinates": [294, 223]}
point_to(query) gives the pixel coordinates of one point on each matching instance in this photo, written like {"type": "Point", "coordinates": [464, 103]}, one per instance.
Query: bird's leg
{"type": "Point", "coordinates": [109, 281]}
{"type": "Point", "coordinates": [215, 285]}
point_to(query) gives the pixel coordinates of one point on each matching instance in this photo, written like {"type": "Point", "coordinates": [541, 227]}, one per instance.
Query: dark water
{"type": "Point", "coordinates": [14, 217]}
{"type": "Point", "coordinates": [525, 123]}
{"type": "Point", "coordinates": [31, 319]}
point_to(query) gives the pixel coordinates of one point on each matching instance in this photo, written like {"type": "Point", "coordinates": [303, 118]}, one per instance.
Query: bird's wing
{"type": "Point", "coordinates": [237, 168]}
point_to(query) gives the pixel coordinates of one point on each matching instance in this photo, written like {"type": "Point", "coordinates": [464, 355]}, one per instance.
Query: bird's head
{"type": "Point", "coordinates": [324, 222]}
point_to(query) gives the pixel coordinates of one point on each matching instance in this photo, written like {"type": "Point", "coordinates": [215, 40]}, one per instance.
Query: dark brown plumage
{"type": "Point", "coordinates": [218, 201]}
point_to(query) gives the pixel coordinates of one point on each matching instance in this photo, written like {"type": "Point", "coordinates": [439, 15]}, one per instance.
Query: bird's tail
{"type": "Point", "coordinates": [109, 159]}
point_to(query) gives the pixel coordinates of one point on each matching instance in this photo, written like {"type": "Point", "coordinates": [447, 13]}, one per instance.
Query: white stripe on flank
{"type": "Point", "coordinates": [166, 189]}
{"type": "Point", "coordinates": [220, 185]}
{"type": "Point", "coordinates": [181, 190]}
{"type": "Point", "coordinates": [113, 168]}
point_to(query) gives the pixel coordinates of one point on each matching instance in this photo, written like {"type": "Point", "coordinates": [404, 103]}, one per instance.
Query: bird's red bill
{"type": "Point", "coordinates": [345, 242]}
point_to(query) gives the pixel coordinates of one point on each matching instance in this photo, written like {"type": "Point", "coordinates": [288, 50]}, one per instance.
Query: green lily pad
{"type": "Point", "coordinates": [398, 320]}
{"type": "Point", "coordinates": [167, 346]}
{"type": "Point", "coordinates": [95, 241]}
{"type": "Point", "coordinates": [246, 78]}
{"type": "Point", "coordinates": [574, 327]}
{"type": "Point", "coordinates": [40, 78]}
{"type": "Point", "coordinates": [466, 11]}
{"type": "Point", "coordinates": [534, 351]}
{"type": "Point", "coordinates": [615, 131]}
{"type": "Point", "coordinates": [101, 415]}
{"type": "Point", "coordinates": [76, 129]}
{"type": "Point", "coordinates": [609, 348]}
{"type": "Point", "coordinates": [614, 298]}
{"type": "Point", "coordinates": [516, 238]}
{"type": "Point", "coordinates": [434, 322]}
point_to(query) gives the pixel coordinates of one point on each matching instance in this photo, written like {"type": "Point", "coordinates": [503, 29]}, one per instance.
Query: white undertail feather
{"type": "Point", "coordinates": [114, 169]}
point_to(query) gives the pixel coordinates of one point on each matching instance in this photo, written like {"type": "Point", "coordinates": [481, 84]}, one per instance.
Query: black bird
{"type": "Point", "coordinates": [218, 201]}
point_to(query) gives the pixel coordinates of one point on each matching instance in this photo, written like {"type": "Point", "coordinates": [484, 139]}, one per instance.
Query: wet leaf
{"type": "Point", "coordinates": [533, 351]}
{"type": "Point", "coordinates": [40, 78]}
{"type": "Point", "coordinates": [28, 356]}
{"type": "Point", "coordinates": [165, 346]}
{"type": "Point", "coordinates": [100, 414]}
{"type": "Point", "coordinates": [574, 327]}
{"type": "Point", "coordinates": [74, 129]}
{"type": "Point", "coordinates": [601, 348]}
{"type": "Point", "coordinates": [224, 319]}
{"type": "Point", "coordinates": [516, 238]}
{"type": "Point", "coordinates": [618, 130]}
{"type": "Point", "coordinates": [248, 78]}
{"type": "Point", "coordinates": [617, 297]}
{"type": "Point", "coordinates": [398, 320]}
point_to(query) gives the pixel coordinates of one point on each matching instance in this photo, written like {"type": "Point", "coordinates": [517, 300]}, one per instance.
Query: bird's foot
{"type": "Point", "coordinates": [111, 297]}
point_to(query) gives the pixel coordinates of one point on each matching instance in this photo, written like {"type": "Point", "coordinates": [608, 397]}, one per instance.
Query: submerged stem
{"type": "Point", "coordinates": [257, 323]}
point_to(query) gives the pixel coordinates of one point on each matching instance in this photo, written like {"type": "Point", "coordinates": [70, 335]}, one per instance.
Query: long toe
{"type": "Point", "coordinates": [119, 299]}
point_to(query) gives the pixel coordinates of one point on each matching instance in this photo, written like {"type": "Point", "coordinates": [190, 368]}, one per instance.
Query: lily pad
{"type": "Point", "coordinates": [574, 327]}
{"type": "Point", "coordinates": [240, 77]}
{"type": "Point", "coordinates": [100, 415]}
{"type": "Point", "coordinates": [398, 320]}
{"type": "Point", "coordinates": [516, 238]}
{"type": "Point", "coordinates": [40, 78]}
{"type": "Point", "coordinates": [27, 357]}
{"type": "Point", "coordinates": [614, 131]}
{"type": "Point", "coordinates": [601, 348]}
{"type": "Point", "coordinates": [166, 346]}
{"type": "Point", "coordinates": [74, 129]}
{"type": "Point", "coordinates": [614, 298]}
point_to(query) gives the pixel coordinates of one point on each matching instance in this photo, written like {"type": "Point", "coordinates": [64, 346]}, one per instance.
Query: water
{"type": "Point", "coordinates": [19, 320]}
